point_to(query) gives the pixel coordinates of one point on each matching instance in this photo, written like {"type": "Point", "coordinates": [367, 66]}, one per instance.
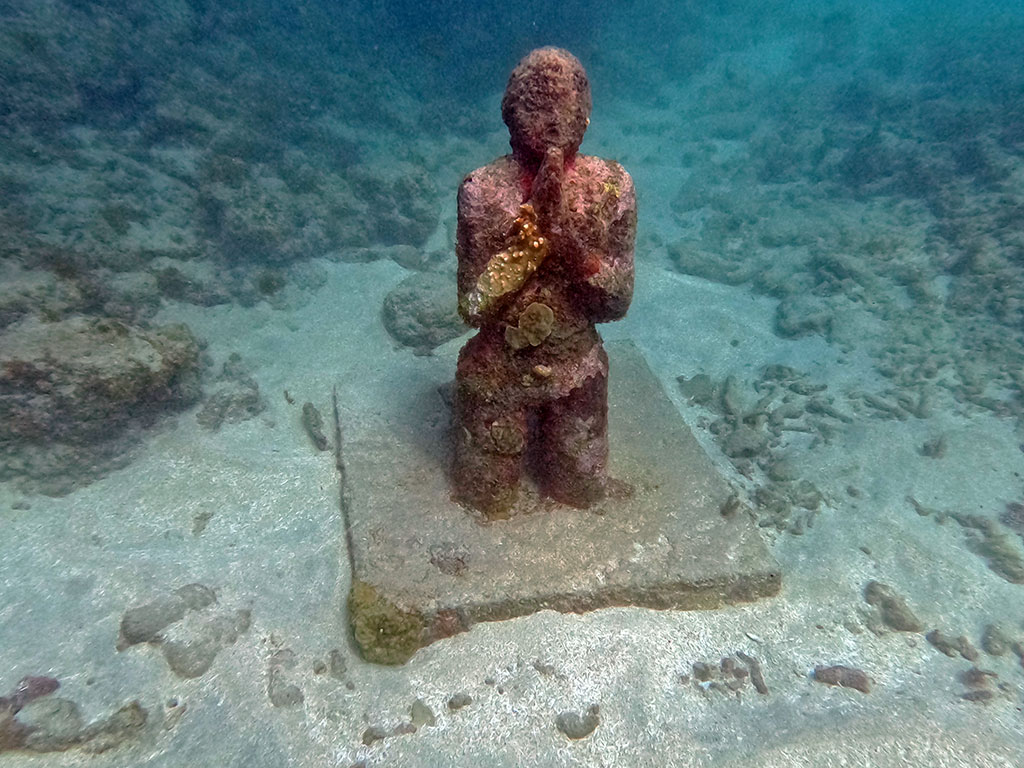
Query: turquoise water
{"type": "Point", "coordinates": [214, 213]}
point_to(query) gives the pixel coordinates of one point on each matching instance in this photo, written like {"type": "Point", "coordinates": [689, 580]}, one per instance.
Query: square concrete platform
{"type": "Point", "coordinates": [425, 568]}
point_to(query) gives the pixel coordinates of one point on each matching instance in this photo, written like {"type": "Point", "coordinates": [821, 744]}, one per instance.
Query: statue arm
{"type": "Point", "coordinates": [605, 287]}
{"type": "Point", "coordinates": [472, 257]}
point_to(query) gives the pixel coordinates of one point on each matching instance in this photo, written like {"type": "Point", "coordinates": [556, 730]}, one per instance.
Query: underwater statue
{"type": "Point", "coordinates": [545, 250]}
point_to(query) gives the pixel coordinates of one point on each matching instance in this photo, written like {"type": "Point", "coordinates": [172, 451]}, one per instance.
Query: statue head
{"type": "Point", "coordinates": [546, 105]}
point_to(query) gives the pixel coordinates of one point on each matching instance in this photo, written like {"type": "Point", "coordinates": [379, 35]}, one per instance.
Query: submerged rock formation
{"type": "Point", "coordinates": [70, 389]}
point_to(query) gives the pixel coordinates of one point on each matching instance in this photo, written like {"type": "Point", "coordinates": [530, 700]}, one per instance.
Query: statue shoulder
{"type": "Point", "coordinates": [601, 167]}
{"type": "Point", "coordinates": [490, 188]}
{"type": "Point", "coordinates": [500, 173]}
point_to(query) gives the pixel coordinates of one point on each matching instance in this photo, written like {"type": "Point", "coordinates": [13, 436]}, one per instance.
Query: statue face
{"type": "Point", "coordinates": [547, 104]}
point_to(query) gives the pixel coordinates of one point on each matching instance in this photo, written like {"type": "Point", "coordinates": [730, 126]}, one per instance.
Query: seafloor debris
{"type": "Point", "coordinates": [33, 720]}
{"type": "Point", "coordinates": [459, 700]}
{"type": "Point", "coordinates": [234, 397]}
{"type": "Point", "coordinates": [982, 685]}
{"type": "Point", "coordinates": [791, 413]}
{"type": "Point", "coordinates": [844, 677]}
{"type": "Point", "coordinates": [421, 714]}
{"type": "Point", "coordinates": [421, 312]}
{"type": "Point", "coordinates": [577, 726]}
{"type": "Point", "coordinates": [728, 676]}
{"type": "Point", "coordinates": [188, 631]}
{"type": "Point", "coordinates": [995, 640]}
{"type": "Point", "coordinates": [893, 609]}
{"type": "Point", "coordinates": [952, 646]}
{"type": "Point", "coordinates": [985, 537]}
{"type": "Point", "coordinates": [76, 391]}
{"type": "Point", "coordinates": [313, 423]}
{"type": "Point", "coordinates": [280, 692]}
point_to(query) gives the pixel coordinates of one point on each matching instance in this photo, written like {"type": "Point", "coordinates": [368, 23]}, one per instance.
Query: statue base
{"type": "Point", "coordinates": [424, 568]}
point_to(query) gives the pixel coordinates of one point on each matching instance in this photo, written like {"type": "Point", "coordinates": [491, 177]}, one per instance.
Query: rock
{"type": "Point", "coordinates": [421, 714]}
{"type": "Point", "coordinates": [83, 378]}
{"type": "Point", "coordinates": [121, 726]}
{"type": "Point", "coordinates": [783, 469]}
{"type": "Point", "coordinates": [374, 733]}
{"type": "Point", "coordinates": [801, 316]}
{"type": "Point", "coordinates": [191, 649]}
{"type": "Point", "coordinates": [691, 258]}
{"type": "Point", "coordinates": [459, 700]}
{"type": "Point", "coordinates": [230, 402]}
{"type": "Point", "coordinates": [187, 282]}
{"type": "Point", "coordinates": [313, 423]}
{"type": "Point", "coordinates": [952, 646]}
{"type": "Point", "coordinates": [895, 612]}
{"type": "Point", "coordinates": [577, 726]}
{"type": "Point", "coordinates": [700, 389]}
{"type": "Point", "coordinates": [935, 448]}
{"type": "Point", "coordinates": [845, 677]}
{"type": "Point", "coordinates": [756, 672]}
{"type": "Point", "coordinates": [336, 666]}
{"type": "Point", "coordinates": [280, 692]}
{"type": "Point", "coordinates": [995, 641]}
{"type": "Point", "coordinates": [1013, 517]}
{"type": "Point", "coordinates": [235, 397]}
{"type": "Point", "coordinates": [402, 202]}
{"type": "Point", "coordinates": [144, 623]}
{"type": "Point", "coordinates": [421, 312]}
{"type": "Point", "coordinates": [744, 442]}
{"type": "Point", "coordinates": [54, 724]}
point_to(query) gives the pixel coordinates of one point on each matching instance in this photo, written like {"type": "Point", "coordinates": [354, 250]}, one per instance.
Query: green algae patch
{"type": "Point", "coordinates": [385, 633]}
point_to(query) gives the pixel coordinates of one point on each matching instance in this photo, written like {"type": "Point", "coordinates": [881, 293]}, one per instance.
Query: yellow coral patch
{"type": "Point", "coordinates": [509, 269]}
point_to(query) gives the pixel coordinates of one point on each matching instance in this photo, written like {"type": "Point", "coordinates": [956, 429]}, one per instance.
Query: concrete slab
{"type": "Point", "coordinates": [425, 568]}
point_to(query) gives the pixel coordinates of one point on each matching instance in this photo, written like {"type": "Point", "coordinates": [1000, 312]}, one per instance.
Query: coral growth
{"type": "Point", "coordinates": [507, 270]}
{"type": "Point", "coordinates": [386, 634]}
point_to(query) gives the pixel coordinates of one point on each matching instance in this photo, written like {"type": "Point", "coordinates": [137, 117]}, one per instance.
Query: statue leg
{"type": "Point", "coordinates": [489, 444]}
{"type": "Point", "coordinates": [574, 444]}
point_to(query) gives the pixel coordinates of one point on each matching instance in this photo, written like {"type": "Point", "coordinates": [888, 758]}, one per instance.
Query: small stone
{"type": "Point", "coordinates": [744, 442]}
{"type": "Point", "coordinates": [280, 692]}
{"type": "Point", "coordinates": [52, 723]}
{"type": "Point", "coordinates": [284, 694]}
{"type": "Point", "coordinates": [895, 612]}
{"type": "Point", "coordinates": [575, 726]}
{"type": "Point", "coordinates": [952, 646]}
{"type": "Point", "coordinates": [421, 714]}
{"type": "Point", "coordinates": [336, 664]}
{"type": "Point", "coordinates": [459, 700]}
{"type": "Point", "coordinates": [313, 423]}
{"type": "Point", "coordinates": [699, 389]}
{"type": "Point", "coordinates": [544, 668]}
{"type": "Point", "coordinates": [935, 448]}
{"type": "Point", "coordinates": [373, 734]}
{"type": "Point", "coordinates": [756, 672]}
{"type": "Point", "coordinates": [782, 470]}
{"type": "Point", "coordinates": [702, 671]}
{"type": "Point", "coordinates": [144, 623]}
{"type": "Point", "coordinates": [977, 678]}
{"type": "Point", "coordinates": [995, 641]}
{"type": "Point", "coordinates": [125, 724]}
{"type": "Point", "coordinates": [844, 677]}
{"type": "Point", "coordinates": [981, 696]}
{"type": "Point", "coordinates": [191, 650]}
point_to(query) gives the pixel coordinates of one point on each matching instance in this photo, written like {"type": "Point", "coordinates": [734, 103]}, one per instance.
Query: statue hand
{"type": "Point", "coordinates": [546, 194]}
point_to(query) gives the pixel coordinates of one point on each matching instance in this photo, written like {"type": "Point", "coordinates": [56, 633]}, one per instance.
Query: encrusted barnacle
{"type": "Point", "coordinates": [510, 268]}
{"type": "Point", "coordinates": [506, 436]}
{"type": "Point", "coordinates": [535, 324]}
